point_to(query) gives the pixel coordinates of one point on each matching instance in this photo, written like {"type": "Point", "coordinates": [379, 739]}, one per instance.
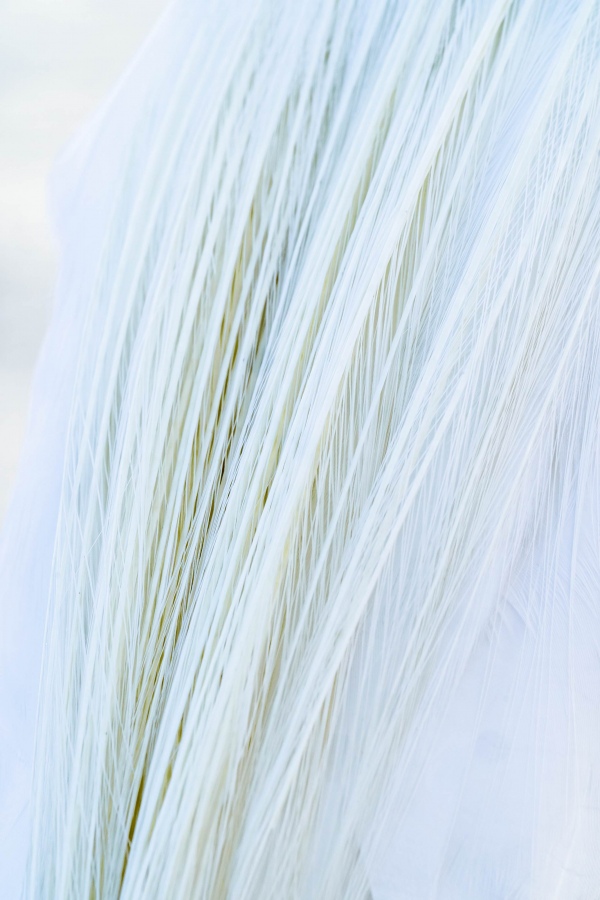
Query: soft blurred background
{"type": "Point", "coordinates": [58, 58]}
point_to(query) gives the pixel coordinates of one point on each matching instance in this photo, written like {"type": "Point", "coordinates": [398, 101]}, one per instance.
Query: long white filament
{"type": "Point", "coordinates": [336, 406]}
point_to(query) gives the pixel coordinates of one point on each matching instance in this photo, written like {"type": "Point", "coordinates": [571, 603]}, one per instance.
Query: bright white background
{"type": "Point", "coordinates": [58, 58]}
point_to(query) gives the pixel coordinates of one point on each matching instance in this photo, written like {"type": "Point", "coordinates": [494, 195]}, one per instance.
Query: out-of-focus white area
{"type": "Point", "coordinates": [58, 58]}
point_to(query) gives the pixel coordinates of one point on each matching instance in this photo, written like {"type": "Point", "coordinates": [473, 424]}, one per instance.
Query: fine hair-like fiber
{"type": "Point", "coordinates": [325, 579]}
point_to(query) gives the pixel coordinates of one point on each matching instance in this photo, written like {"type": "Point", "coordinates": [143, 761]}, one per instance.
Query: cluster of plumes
{"type": "Point", "coordinates": [335, 422]}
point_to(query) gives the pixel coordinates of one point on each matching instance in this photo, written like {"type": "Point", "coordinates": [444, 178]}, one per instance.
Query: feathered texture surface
{"type": "Point", "coordinates": [324, 617]}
